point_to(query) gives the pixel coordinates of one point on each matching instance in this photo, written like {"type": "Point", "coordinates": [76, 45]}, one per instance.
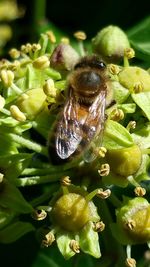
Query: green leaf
{"type": "Point", "coordinates": [127, 108]}
{"type": "Point", "coordinates": [17, 162]}
{"type": "Point", "coordinates": [43, 122]}
{"type": "Point", "coordinates": [7, 147]}
{"type": "Point", "coordinates": [15, 231]}
{"type": "Point", "coordinates": [143, 101]}
{"type": "Point", "coordinates": [142, 173]}
{"type": "Point", "coordinates": [141, 136]}
{"type": "Point", "coordinates": [139, 39]}
{"type": "Point", "coordinates": [51, 257]}
{"type": "Point", "coordinates": [12, 198]}
{"type": "Point", "coordinates": [89, 241]}
{"type": "Point", "coordinates": [119, 234]}
{"type": "Point", "coordinates": [114, 179]}
{"type": "Point", "coordinates": [6, 215]}
{"type": "Point", "coordinates": [116, 136]}
{"type": "Point", "coordinates": [120, 92]}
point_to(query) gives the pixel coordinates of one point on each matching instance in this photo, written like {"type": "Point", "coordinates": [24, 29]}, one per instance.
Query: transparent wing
{"type": "Point", "coordinates": [68, 132]}
{"type": "Point", "coordinates": [95, 123]}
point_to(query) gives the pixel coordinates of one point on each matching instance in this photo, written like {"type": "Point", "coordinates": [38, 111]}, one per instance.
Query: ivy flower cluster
{"type": "Point", "coordinates": [75, 200]}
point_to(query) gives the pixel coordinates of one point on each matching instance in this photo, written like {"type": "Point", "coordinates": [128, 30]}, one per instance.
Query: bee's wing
{"type": "Point", "coordinates": [68, 132]}
{"type": "Point", "coordinates": [95, 122]}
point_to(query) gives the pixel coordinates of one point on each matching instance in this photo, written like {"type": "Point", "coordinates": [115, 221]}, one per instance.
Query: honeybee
{"type": "Point", "coordinates": [79, 129]}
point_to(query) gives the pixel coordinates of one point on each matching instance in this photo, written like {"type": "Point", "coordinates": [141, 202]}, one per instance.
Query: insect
{"type": "Point", "coordinates": [80, 125]}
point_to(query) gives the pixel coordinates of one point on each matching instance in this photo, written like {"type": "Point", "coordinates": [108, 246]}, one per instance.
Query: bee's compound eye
{"type": "Point", "coordinates": [89, 79]}
{"type": "Point", "coordinates": [101, 64]}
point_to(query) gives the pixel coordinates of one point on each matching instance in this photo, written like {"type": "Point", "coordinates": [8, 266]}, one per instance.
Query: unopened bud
{"type": "Point", "coordinates": [124, 161]}
{"type": "Point", "coordinates": [36, 47]}
{"type": "Point", "coordinates": [51, 37]}
{"type": "Point", "coordinates": [15, 65]}
{"type": "Point", "coordinates": [4, 64]}
{"type": "Point", "coordinates": [14, 53]}
{"type": "Point", "coordinates": [41, 62]}
{"type": "Point", "coordinates": [26, 48]}
{"type": "Point", "coordinates": [17, 114]}
{"type": "Point", "coordinates": [110, 43]}
{"type": "Point", "coordinates": [64, 57]}
{"type": "Point", "coordinates": [65, 40]}
{"type": "Point", "coordinates": [7, 77]}
{"type": "Point", "coordinates": [49, 88]}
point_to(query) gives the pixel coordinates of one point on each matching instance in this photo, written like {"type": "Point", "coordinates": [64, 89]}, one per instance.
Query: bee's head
{"type": "Point", "coordinates": [88, 76]}
{"type": "Point", "coordinates": [88, 80]}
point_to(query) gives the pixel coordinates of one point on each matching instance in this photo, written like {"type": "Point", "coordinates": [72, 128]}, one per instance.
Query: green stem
{"type": "Point", "coordinates": [39, 12]}
{"type": "Point", "coordinates": [115, 201]}
{"type": "Point", "coordinates": [128, 251]}
{"type": "Point", "coordinates": [108, 239]}
{"type": "Point", "coordinates": [34, 180]}
{"type": "Point", "coordinates": [43, 42]}
{"type": "Point", "coordinates": [16, 89]}
{"type": "Point", "coordinates": [28, 144]}
{"type": "Point", "coordinates": [65, 190]}
{"type": "Point", "coordinates": [126, 61]}
{"type": "Point", "coordinates": [5, 111]}
{"type": "Point", "coordinates": [132, 181]}
{"type": "Point", "coordinates": [91, 195]}
{"type": "Point", "coordinates": [81, 48]}
{"type": "Point", "coordinates": [45, 196]}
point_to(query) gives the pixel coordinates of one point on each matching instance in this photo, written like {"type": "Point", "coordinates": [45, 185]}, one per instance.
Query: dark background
{"type": "Point", "coordinates": [89, 16]}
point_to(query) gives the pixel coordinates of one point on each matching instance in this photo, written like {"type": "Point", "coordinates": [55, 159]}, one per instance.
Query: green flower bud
{"type": "Point", "coordinates": [14, 53]}
{"type": "Point", "coordinates": [110, 43]}
{"type": "Point", "coordinates": [135, 79]}
{"type": "Point", "coordinates": [134, 220]}
{"type": "Point", "coordinates": [7, 77]}
{"type": "Point", "coordinates": [64, 57]}
{"type": "Point", "coordinates": [41, 62]}
{"type": "Point", "coordinates": [17, 114]}
{"type": "Point", "coordinates": [124, 161]}
{"type": "Point", "coordinates": [32, 102]}
{"type": "Point", "coordinates": [71, 212]}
